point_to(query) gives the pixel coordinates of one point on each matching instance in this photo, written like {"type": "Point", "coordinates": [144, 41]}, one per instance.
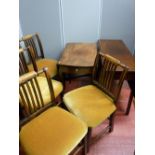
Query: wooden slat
{"type": "Point", "coordinates": [40, 45]}
{"type": "Point", "coordinates": [27, 98]}
{"type": "Point", "coordinates": [38, 88]}
{"type": "Point", "coordinates": [34, 47]}
{"type": "Point", "coordinates": [23, 102]}
{"type": "Point", "coordinates": [33, 104]}
{"type": "Point", "coordinates": [35, 92]}
{"type": "Point", "coordinates": [22, 62]}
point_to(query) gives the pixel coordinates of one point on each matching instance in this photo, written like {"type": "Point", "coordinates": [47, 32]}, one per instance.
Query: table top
{"type": "Point", "coordinates": [79, 54]}
{"type": "Point", "coordinates": [118, 49]}
{"type": "Point", "coordinates": [83, 54]}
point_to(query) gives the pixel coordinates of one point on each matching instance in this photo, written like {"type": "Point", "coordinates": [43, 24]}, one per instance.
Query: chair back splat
{"type": "Point", "coordinates": [26, 57]}
{"type": "Point", "coordinates": [35, 42]}
{"type": "Point", "coordinates": [105, 75]}
{"type": "Point", "coordinates": [30, 94]}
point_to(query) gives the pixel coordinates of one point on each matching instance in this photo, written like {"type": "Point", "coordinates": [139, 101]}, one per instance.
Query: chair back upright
{"type": "Point", "coordinates": [35, 42]}
{"type": "Point", "coordinates": [105, 72]}
{"type": "Point", "coordinates": [26, 56]}
{"type": "Point", "coordinates": [30, 94]}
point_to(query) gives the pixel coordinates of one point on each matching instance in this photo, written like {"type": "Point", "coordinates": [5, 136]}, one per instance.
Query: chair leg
{"type": "Point", "coordinates": [111, 122]}
{"type": "Point", "coordinates": [129, 104]}
{"type": "Point", "coordinates": [88, 138]}
{"type": "Point", "coordinates": [85, 145]}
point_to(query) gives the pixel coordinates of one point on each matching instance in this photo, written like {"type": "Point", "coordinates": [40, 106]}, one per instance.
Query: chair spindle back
{"type": "Point", "coordinates": [35, 42]}
{"type": "Point", "coordinates": [30, 95]}
{"type": "Point", "coordinates": [25, 57]}
{"type": "Point", "coordinates": [105, 72]}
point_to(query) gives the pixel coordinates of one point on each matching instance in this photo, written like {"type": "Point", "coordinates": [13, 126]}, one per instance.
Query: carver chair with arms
{"type": "Point", "coordinates": [38, 52]}
{"type": "Point", "coordinates": [97, 102]}
{"type": "Point", "coordinates": [46, 129]}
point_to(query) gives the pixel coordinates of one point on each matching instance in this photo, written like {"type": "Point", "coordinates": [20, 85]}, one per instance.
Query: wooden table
{"type": "Point", "coordinates": [78, 59]}
{"type": "Point", "coordinates": [118, 49]}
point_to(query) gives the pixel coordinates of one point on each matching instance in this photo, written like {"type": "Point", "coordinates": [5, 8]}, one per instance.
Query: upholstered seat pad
{"type": "Point", "coordinates": [51, 64]}
{"type": "Point", "coordinates": [54, 132]}
{"type": "Point", "coordinates": [90, 104]}
{"type": "Point", "coordinates": [57, 87]}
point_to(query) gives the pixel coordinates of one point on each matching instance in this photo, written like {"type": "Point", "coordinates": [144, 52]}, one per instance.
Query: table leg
{"type": "Point", "coordinates": [132, 94]}
{"type": "Point", "coordinates": [129, 103]}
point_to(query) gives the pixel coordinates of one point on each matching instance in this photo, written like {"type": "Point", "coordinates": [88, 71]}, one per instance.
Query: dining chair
{"type": "Point", "coordinates": [56, 87]}
{"type": "Point", "coordinates": [34, 41]}
{"type": "Point", "coordinates": [46, 129]}
{"type": "Point", "coordinates": [96, 102]}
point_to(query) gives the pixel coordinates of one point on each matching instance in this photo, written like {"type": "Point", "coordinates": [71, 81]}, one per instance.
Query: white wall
{"type": "Point", "coordinates": [118, 21]}
{"type": "Point", "coordinates": [20, 30]}
{"type": "Point", "coordinates": [62, 21]}
{"type": "Point", "coordinates": [81, 20]}
{"type": "Point", "coordinates": [42, 16]}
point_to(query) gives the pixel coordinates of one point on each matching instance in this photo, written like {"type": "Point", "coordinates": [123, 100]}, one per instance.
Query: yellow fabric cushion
{"type": "Point", "coordinates": [57, 87]}
{"type": "Point", "coordinates": [54, 132]}
{"type": "Point", "coordinates": [90, 104]}
{"type": "Point", "coordinates": [51, 64]}
{"type": "Point", "coordinates": [42, 81]}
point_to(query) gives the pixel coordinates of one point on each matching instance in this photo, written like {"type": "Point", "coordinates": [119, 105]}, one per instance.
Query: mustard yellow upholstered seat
{"type": "Point", "coordinates": [45, 92]}
{"type": "Point", "coordinates": [90, 104]}
{"type": "Point", "coordinates": [51, 64]}
{"type": "Point", "coordinates": [54, 132]}
{"type": "Point", "coordinates": [57, 87]}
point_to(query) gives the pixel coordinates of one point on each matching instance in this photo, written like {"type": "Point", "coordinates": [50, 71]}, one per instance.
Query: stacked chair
{"type": "Point", "coordinates": [45, 128]}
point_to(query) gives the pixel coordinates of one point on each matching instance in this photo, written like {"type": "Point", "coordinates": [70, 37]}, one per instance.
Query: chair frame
{"type": "Point", "coordinates": [104, 83]}
{"type": "Point", "coordinates": [29, 79]}
{"type": "Point", "coordinates": [29, 40]}
{"type": "Point", "coordinates": [103, 80]}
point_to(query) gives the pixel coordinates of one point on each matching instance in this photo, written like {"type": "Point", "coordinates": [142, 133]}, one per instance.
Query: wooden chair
{"type": "Point", "coordinates": [95, 103]}
{"type": "Point", "coordinates": [39, 58]}
{"type": "Point", "coordinates": [26, 55]}
{"type": "Point", "coordinates": [46, 129]}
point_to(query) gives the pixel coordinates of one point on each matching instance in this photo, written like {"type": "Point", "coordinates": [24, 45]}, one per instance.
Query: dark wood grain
{"type": "Point", "coordinates": [117, 49]}
{"type": "Point", "coordinates": [34, 41]}
{"type": "Point", "coordinates": [79, 54]}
